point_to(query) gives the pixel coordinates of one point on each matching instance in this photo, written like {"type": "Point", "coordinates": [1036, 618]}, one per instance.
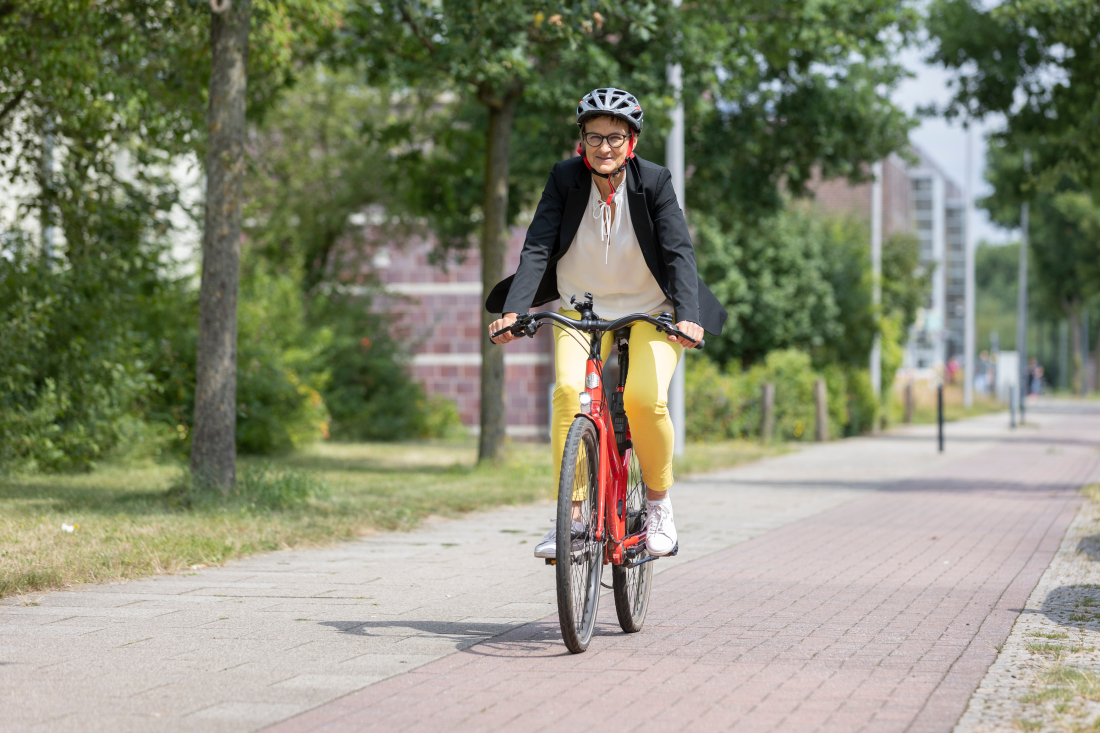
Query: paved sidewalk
{"type": "Point", "coordinates": [879, 615]}
{"type": "Point", "coordinates": [770, 551]}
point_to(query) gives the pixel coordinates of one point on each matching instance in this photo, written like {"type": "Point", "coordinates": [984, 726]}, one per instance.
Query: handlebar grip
{"type": "Point", "coordinates": [501, 332]}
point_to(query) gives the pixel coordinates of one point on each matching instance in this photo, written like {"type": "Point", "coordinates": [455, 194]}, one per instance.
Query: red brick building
{"type": "Point", "coordinates": [441, 315]}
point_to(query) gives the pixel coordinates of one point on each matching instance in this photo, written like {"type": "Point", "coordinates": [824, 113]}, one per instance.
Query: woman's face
{"type": "Point", "coordinates": [604, 158]}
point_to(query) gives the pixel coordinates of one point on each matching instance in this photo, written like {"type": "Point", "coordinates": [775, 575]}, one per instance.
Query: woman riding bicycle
{"type": "Point", "coordinates": [609, 224]}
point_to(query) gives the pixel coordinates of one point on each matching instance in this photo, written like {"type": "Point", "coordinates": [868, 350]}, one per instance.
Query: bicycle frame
{"type": "Point", "coordinates": [611, 501]}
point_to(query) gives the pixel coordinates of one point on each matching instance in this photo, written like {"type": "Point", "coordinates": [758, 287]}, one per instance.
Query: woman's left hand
{"type": "Point", "coordinates": [693, 331]}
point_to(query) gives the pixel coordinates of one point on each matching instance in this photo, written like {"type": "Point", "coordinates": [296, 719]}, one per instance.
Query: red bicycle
{"type": "Point", "coordinates": [601, 486]}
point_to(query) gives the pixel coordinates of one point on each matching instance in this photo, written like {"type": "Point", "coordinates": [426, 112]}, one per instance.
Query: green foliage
{"type": "Point", "coordinates": [322, 156]}
{"type": "Point", "coordinates": [124, 80]}
{"type": "Point", "coordinates": [716, 401]}
{"type": "Point", "coordinates": [279, 369]}
{"type": "Point", "coordinates": [318, 159]}
{"type": "Point", "coordinates": [772, 90]}
{"type": "Point", "coordinates": [1035, 62]}
{"type": "Point", "coordinates": [369, 392]}
{"type": "Point", "coordinates": [774, 281]}
{"type": "Point", "coordinates": [725, 402]}
{"type": "Point", "coordinates": [71, 360]}
{"type": "Point", "coordinates": [792, 373]}
{"type": "Point", "coordinates": [259, 487]}
{"type": "Point", "coordinates": [1064, 230]}
{"type": "Point", "coordinates": [801, 279]}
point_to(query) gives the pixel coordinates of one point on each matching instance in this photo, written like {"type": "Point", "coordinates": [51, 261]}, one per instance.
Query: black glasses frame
{"type": "Point", "coordinates": [605, 138]}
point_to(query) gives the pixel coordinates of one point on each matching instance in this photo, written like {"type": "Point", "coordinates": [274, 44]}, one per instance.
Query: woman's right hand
{"type": "Point", "coordinates": [506, 320]}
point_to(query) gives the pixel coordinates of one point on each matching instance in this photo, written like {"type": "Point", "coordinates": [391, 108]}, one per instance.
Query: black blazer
{"type": "Point", "coordinates": [658, 223]}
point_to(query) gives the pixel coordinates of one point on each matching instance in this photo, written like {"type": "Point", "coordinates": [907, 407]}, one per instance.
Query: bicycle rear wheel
{"type": "Point", "coordinates": [580, 557]}
{"type": "Point", "coordinates": [632, 585]}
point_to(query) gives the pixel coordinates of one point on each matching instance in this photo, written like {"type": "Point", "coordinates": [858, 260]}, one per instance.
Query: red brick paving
{"type": "Point", "coordinates": [881, 615]}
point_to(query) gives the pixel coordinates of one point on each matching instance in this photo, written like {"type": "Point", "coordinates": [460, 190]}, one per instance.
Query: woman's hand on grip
{"type": "Point", "coordinates": [692, 330]}
{"type": "Point", "coordinates": [506, 320]}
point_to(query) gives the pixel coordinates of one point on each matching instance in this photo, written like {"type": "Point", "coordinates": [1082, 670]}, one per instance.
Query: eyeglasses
{"type": "Point", "coordinates": [595, 139]}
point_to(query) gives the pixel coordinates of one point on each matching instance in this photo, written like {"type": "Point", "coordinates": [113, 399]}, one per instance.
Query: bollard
{"type": "Point", "coordinates": [767, 413]}
{"type": "Point", "coordinates": [821, 403]}
{"type": "Point", "coordinates": [908, 403]}
{"type": "Point", "coordinates": [1012, 407]}
{"type": "Point", "coordinates": [939, 413]}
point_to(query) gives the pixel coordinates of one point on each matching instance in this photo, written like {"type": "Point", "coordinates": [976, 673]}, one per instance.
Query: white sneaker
{"type": "Point", "coordinates": [547, 547]}
{"type": "Point", "coordinates": [660, 535]}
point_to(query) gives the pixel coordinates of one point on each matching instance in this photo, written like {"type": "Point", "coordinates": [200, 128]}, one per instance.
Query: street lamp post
{"type": "Point", "coordinates": [1021, 299]}
{"type": "Point", "coordinates": [969, 326]}
{"type": "Point", "coordinates": [876, 278]}
{"type": "Point", "coordinates": [674, 160]}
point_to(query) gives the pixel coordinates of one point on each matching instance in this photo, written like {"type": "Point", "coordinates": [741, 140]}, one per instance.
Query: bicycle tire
{"type": "Point", "coordinates": [579, 570]}
{"type": "Point", "coordinates": [632, 585]}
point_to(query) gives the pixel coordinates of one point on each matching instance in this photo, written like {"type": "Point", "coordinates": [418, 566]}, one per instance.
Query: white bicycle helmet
{"type": "Point", "coordinates": [611, 102]}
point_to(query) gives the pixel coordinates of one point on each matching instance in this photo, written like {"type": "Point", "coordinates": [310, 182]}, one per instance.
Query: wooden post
{"type": "Point", "coordinates": [821, 402]}
{"type": "Point", "coordinates": [767, 413]}
{"type": "Point", "coordinates": [939, 414]}
{"type": "Point", "coordinates": [908, 403]}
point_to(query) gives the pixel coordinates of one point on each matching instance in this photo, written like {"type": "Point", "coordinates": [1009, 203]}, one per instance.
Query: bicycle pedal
{"type": "Point", "coordinates": [551, 562]}
{"type": "Point", "coordinates": [674, 550]}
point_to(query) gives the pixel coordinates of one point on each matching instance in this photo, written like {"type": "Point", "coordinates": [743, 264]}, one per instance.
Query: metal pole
{"type": "Point", "coordinates": [1021, 299]}
{"type": "Point", "coordinates": [970, 351]}
{"type": "Point", "coordinates": [876, 278]}
{"type": "Point", "coordinates": [674, 160]}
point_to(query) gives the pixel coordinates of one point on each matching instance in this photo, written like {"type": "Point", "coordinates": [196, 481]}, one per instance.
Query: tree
{"type": "Point", "coordinates": [214, 446]}
{"type": "Point", "coordinates": [1035, 62]}
{"type": "Point", "coordinates": [1064, 237]}
{"type": "Point", "coordinates": [494, 53]}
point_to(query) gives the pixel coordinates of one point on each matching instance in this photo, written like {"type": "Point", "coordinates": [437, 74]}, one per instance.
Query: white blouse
{"type": "Point", "coordinates": [606, 260]}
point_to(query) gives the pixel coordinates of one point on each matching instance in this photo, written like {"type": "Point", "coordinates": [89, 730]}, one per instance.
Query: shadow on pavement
{"type": "Point", "coordinates": [463, 633]}
{"type": "Point", "coordinates": [1074, 605]}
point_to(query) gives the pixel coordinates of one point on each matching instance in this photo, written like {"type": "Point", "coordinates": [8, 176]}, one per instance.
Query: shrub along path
{"type": "Point", "coordinates": [263, 639]}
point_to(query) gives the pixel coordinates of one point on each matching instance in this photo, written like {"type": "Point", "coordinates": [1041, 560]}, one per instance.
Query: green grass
{"type": "Point", "coordinates": [127, 525]}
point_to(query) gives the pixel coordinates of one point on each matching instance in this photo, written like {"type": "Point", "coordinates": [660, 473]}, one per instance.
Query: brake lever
{"type": "Point", "coordinates": [522, 327]}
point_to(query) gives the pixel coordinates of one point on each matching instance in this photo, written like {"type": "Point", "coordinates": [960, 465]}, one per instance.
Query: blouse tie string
{"type": "Point", "coordinates": [603, 213]}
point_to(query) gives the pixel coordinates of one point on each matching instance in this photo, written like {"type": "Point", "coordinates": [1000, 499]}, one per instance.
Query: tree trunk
{"type": "Point", "coordinates": [213, 444]}
{"type": "Point", "coordinates": [494, 243]}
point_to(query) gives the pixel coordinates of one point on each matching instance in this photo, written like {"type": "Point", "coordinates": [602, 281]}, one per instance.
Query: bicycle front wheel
{"type": "Point", "coordinates": [632, 584]}
{"type": "Point", "coordinates": [580, 556]}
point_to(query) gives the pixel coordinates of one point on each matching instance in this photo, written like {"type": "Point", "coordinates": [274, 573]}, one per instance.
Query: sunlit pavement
{"type": "Point", "coordinates": [862, 584]}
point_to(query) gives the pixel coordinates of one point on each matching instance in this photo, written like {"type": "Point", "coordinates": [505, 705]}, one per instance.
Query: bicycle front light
{"type": "Point", "coordinates": [586, 403]}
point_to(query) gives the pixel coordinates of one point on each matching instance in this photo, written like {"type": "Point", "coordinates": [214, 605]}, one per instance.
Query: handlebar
{"type": "Point", "coordinates": [528, 325]}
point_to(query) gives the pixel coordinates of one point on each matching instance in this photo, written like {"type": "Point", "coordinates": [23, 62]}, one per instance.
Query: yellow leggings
{"type": "Point", "coordinates": [653, 358]}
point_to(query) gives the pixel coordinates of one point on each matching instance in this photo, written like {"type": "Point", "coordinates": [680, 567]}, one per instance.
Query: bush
{"type": "Point", "coordinates": [725, 404]}
{"type": "Point", "coordinates": [791, 371]}
{"type": "Point", "coordinates": [279, 366]}
{"type": "Point", "coordinates": [716, 400]}
{"type": "Point", "coordinates": [71, 359]}
{"type": "Point", "coordinates": [369, 391]}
